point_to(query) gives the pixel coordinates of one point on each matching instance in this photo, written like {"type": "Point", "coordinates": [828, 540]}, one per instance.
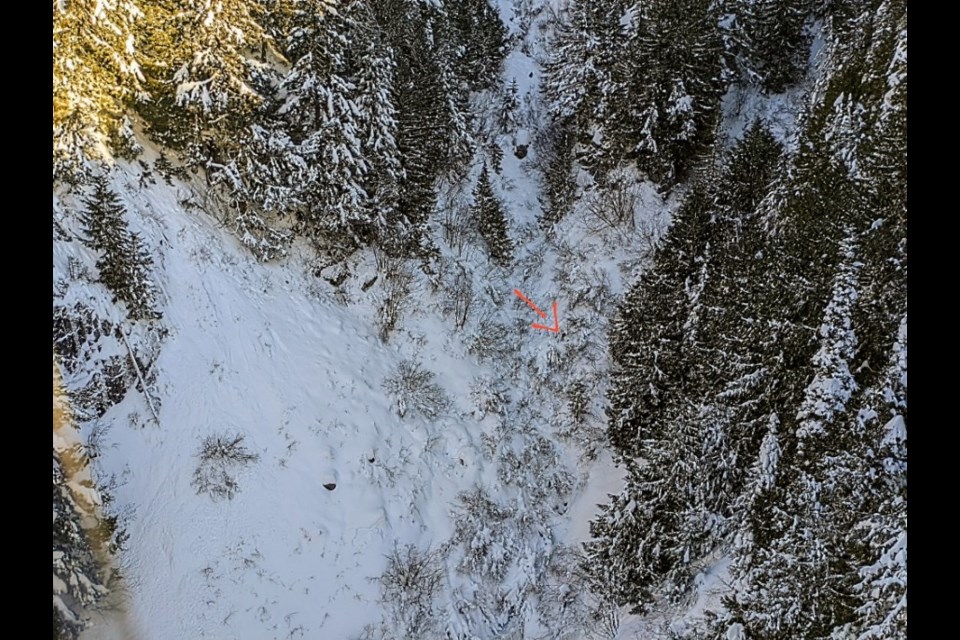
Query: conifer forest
{"type": "Point", "coordinates": [479, 319]}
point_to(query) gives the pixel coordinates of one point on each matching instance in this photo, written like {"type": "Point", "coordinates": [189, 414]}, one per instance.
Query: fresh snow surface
{"type": "Point", "coordinates": [270, 352]}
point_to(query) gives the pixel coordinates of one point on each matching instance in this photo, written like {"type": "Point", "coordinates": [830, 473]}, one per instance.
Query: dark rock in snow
{"type": "Point", "coordinates": [330, 486]}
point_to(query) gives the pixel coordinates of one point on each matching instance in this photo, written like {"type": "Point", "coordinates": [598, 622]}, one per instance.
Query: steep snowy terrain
{"type": "Point", "coordinates": [346, 473]}
{"type": "Point", "coordinates": [379, 448]}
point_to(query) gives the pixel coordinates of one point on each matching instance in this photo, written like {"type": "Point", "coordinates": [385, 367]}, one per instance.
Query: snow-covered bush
{"type": "Point", "coordinates": [412, 387]}
{"type": "Point", "coordinates": [488, 446]}
{"type": "Point", "coordinates": [265, 241]}
{"type": "Point", "coordinates": [489, 534]}
{"type": "Point", "coordinates": [567, 606]}
{"type": "Point", "coordinates": [222, 457]}
{"type": "Point", "coordinates": [577, 421]}
{"type": "Point", "coordinates": [578, 402]}
{"type": "Point", "coordinates": [488, 395]}
{"type": "Point", "coordinates": [490, 340]}
{"type": "Point", "coordinates": [537, 469]}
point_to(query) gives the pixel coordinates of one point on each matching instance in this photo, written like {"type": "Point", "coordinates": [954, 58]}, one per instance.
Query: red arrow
{"type": "Point", "coordinates": [556, 320]}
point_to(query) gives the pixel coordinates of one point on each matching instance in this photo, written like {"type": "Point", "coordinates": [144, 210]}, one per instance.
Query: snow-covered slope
{"type": "Point", "coordinates": [339, 479]}
{"type": "Point", "coordinates": [481, 464]}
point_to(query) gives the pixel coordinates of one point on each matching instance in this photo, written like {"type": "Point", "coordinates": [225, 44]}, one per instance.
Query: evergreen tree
{"type": "Point", "coordinates": [491, 222]}
{"type": "Point", "coordinates": [739, 366]}
{"type": "Point", "coordinates": [420, 142]}
{"type": "Point", "coordinates": [569, 74]}
{"type": "Point", "coordinates": [647, 534]}
{"type": "Point", "coordinates": [882, 534]}
{"type": "Point", "coordinates": [96, 76]}
{"type": "Point", "coordinates": [379, 128]}
{"type": "Point", "coordinates": [482, 41]}
{"type": "Point", "coordinates": [882, 590]}
{"type": "Point", "coordinates": [684, 397]}
{"type": "Point", "coordinates": [646, 335]}
{"type": "Point", "coordinates": [731, 412]}
{"type": "Point", "coordinates": [799, 580]}
{"type": "Point", "coordinates": [559, 186]}
{"type": "Point", "coordinates": [327, 152]}
{"type": "Point", "coordinates": [673, 100]}
{"type": "Point", "coordinates": [642, 84]}
{"type": "Point", "coordinates": [427, 135]}
{"type": "Point", "coordinates": [773, 42]}
{"type": "Point", "coordinates": [578, 77]}
{"type": "Point", "coordinates": [265, 179]}
{"type": "Point", "coordinates": [321, 115]}
{"type": "Point", "coordinates": [279, 19]}
{"type": "Point", "coordinates": [509, 106]}
{"type": "Point", "coordinates": [581, 84]}
{"type": "Point", "coordinates": [124, 262]}
{"type": "Point", "coordinates": [880, 172]}
{"type": "Point", "coordinates": [750, 172]}
{"type": "Point", "coordinates": [200, 72]}
{"type": "Point", "coordinates": [77, 581]}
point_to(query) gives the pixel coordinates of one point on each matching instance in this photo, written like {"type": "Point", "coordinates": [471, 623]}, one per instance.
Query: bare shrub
{"type": "Point", "coordinates": [457, 231]}
{"type": "Point", "coordinates": [488, 395]}
{"type": "Point", "coordinates": [613, 205]}
{"type": "Point", "coordinates": [605, 616]}
{"type": "Point", "coordinates": [397, 281]}
{"type": "Point", "coordinates": [413, 388]}
{"type": "Point", "coordinates": [409, 586]}
{"type": "Point", "coordinates": [96, 440]}
{"type": "Point", "coordinates": [456, 280]}
{"type": "Point", "coordinates": [650, 229]}
{"type": "Point", "coordinates": [490, 340]}
{"type": "Point", "coordinates": [222, 457]}
{"type": "Point", "coordinates": [538, 469]}
{"type": "Point", "coordinates": [586, 286]}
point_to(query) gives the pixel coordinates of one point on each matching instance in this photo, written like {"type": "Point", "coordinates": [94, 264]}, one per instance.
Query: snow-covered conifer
{"type": "Point", "coordinates": [77, 580]}
{"type": "Point", "coordinates": [773, 42]}
{"type": "Point", "coordinates": [124, 263]}
{"type": "Point", "coordinates": [375, 86]}
{"type": "Point", "coordinates": [487, 211]}
{"type": "Point", "coordinates": [96, 77]}
{"type": "Point", "coordinates": [481, 36]}
{"type": "Point", "coordinates": [509, 105]}
{"type": "Point", "coordinates": [673, 99]}
{"type": "Point", "coordinates": [200, 65]}
{"type": "Point", "coordinates": [321, 115]}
